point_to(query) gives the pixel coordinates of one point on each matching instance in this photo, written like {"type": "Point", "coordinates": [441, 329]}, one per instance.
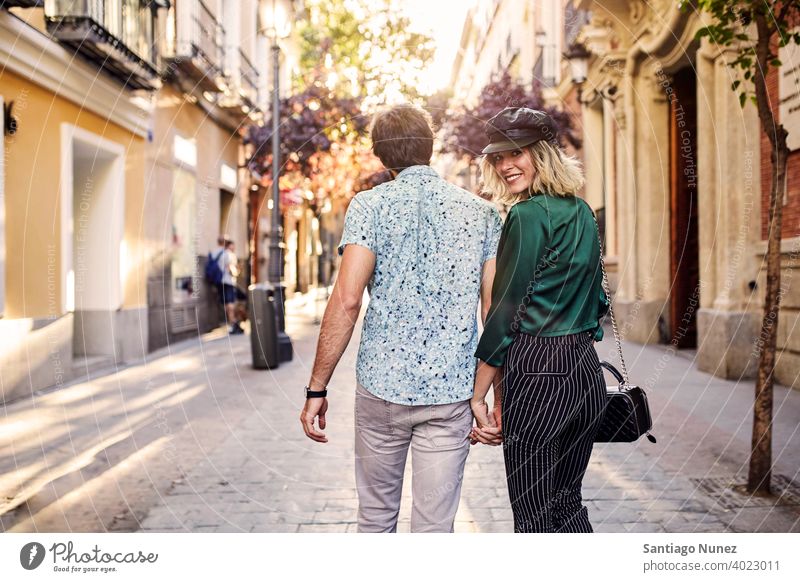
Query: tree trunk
{"type": "Point", "coordinates": [760, 471]}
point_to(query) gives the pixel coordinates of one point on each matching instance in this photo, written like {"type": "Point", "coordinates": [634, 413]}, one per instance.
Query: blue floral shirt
{"type": "Point", "coordinates": [430, 240]}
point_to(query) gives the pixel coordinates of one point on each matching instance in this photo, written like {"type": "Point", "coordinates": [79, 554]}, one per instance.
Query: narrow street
{"type": "Point", "coordinates": [196, 440]}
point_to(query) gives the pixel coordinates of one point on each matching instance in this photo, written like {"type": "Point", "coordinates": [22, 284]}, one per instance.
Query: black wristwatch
{"type": "Point", "coordinates": [316, 393]}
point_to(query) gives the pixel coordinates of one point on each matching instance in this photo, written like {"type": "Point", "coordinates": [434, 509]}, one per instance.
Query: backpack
{"type": "Point", "coordinates": [213, 271]}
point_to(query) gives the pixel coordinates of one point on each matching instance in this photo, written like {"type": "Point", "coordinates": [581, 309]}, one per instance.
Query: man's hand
{"type": "Point", "coordinates": [488, 430]}
{"type": "Point", "coordinates": [315, 407]}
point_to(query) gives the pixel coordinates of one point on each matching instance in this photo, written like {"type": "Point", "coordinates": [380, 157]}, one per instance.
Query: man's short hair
{"type": "Point", "coordinates": [402, 136]}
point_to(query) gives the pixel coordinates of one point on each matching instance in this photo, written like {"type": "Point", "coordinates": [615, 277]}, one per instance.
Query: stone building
{"type": "Point", "coordinates": [688, 172]}
{"type": "Point", "coordinates": [677, 171]}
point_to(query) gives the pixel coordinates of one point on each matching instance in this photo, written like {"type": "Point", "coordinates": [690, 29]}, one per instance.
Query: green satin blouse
{"type": "Point", "coordinates": [548, 280]}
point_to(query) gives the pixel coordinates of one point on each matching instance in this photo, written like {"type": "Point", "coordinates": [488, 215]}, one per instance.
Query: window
{"type": "Point", "coordinates": [185, 278]}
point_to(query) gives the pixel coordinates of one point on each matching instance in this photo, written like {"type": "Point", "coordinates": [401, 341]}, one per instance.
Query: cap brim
{"type": "Point", "coordinates": [507, 145]}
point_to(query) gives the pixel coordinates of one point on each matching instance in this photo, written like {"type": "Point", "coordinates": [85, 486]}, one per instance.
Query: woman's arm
{"type": "Point", "coordinates": [487, 279]}
{"type": "Point", "coordinates": [484, 376]}
{"type": "Point", "coordinates": [488, 430]}
{"type": "Point", "coordinates": [498, 395]}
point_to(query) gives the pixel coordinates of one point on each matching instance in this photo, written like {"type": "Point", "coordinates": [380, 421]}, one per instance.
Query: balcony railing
{"type": "Point", "coordinates": [117, 35]}
{"type": "Point", "coordinates": [207, 35]}
{"type": "Point", "coordinates": [22, 3]}
{"type": "Point", "coordinates": [196, 45]}
{"type": "Point", "coordinates": [249, 77]}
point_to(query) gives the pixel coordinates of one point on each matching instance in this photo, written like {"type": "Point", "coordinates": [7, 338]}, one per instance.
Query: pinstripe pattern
{"type": "Point", "coordinates": [554, 393]}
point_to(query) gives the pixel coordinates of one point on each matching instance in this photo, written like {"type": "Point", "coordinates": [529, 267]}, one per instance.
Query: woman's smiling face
{"type": "Point", "coordinates": [516, 169]}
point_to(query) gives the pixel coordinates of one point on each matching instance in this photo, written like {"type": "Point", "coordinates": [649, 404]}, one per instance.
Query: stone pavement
{"type": "Point", "coordinates": [196, 440]}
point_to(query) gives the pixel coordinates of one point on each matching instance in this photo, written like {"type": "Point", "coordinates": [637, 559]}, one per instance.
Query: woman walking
{"type": "Point", "coordinates": [547, 299]}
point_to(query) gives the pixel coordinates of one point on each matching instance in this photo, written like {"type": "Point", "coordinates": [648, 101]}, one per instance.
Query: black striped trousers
{"type": "Point", "coordinates": [553, 400]}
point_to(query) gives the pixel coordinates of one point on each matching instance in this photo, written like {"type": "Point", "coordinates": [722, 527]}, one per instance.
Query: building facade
{"type": "Point", "coordinates": [690, 171]}
{"type": "Point", "coordinates": [527, 40]}
{"type": "Point", "coordinates": [677, 171]}
{"type": "Point", "coordinates": [122, 162]}
{"type": "Point", "coordinates": [76, 113]}
{"type": "Point", "coordinates": [196, 186]}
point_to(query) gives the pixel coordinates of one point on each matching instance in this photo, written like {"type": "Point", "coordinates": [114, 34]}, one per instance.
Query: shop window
{"type": "Point", "coordinates": [185, 277]}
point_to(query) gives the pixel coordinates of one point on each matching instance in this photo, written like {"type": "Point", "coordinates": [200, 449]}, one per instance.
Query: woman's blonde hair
{"type": "Point", "coordinates": [556, 173]}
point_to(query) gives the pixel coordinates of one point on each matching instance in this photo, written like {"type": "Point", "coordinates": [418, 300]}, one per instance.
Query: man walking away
{"type": "Point", "coordinates": [425, 249]}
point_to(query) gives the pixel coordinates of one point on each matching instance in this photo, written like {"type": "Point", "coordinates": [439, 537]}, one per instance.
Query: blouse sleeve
{"type": "Point", "coordinates": [603, 304]}
{"type": "Point", "coordinates": [521, 248]}
{"type": "Point", "coordinates": [603, 301]}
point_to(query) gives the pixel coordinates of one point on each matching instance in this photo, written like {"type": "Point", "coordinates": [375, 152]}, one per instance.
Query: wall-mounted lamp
{"type": "Point", "coordinates": [578, 58]}
{"type": "Point", "coordinates": [9, 121]}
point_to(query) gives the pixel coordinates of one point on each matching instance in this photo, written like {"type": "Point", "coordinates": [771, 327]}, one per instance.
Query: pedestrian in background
{"type": "Point", "coordinates": [425, 249]}
{"type": "Point", "coordinates": [547, 299]}
{"type": "Point", "coordinates": [229, 264]}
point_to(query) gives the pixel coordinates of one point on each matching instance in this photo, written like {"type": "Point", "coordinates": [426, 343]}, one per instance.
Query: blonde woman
{"type": "Point", "coordinates": [547, 299]}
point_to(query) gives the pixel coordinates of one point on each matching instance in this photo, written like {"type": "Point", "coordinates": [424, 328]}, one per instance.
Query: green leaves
{"type": "Point", "coordinates": [362, 48]}
{"type": "Point", "coordinates": [735, 25]}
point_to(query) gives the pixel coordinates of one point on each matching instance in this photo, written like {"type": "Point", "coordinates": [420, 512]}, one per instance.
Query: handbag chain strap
{"type": "Point", "coordinates": [607, 289]}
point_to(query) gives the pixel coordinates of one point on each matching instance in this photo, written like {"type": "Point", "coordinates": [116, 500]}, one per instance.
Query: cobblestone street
{"type": "Point", "coordinates": [196, 440]}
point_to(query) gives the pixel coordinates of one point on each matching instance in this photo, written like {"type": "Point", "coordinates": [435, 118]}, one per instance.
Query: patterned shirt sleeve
{"type": "Point", "coordinates": [359, 227]}
{"type": "Point", "coordinates": [494, 227]}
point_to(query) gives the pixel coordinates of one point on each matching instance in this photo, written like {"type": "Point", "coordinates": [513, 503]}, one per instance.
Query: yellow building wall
{"type": "Point", "coordinates": [33, 222]}
{"type": "Point", "coordinates": [174, 115]}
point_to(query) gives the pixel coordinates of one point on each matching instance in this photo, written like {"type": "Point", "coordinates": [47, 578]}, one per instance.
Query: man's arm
{"type": "Point", "coordinates": [486, 374]}
{"type": "Point", "coordinates": [358, 264]}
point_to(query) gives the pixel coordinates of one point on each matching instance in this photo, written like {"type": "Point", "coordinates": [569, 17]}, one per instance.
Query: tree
{"type": "Point", "coordinates": [755, 29]}
{"type": "Point", "coordinates": [464, 134]}
{"type": "Point", "coordinates": [310, 122]}
{"type": "Point", "coordinates": [354, 54]}
{"type": "Point", "coordinates": [366, 49]}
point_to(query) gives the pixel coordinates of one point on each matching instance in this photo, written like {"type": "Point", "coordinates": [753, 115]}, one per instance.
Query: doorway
{"type": "Point", "coordinates": [684, 255]}
{"type": "Point", "coordinates": [92, 222]}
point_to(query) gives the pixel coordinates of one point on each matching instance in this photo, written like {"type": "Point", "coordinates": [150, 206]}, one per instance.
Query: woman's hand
{"type": "Point", "coordinates": [487, 430]}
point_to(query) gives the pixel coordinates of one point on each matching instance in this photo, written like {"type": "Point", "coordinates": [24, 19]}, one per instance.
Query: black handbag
{"type": "Point", "coordinates": [627, 414]}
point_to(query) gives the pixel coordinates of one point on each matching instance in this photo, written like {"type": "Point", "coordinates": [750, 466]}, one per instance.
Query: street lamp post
{"type": "Point", "coordinates": [275, 24]}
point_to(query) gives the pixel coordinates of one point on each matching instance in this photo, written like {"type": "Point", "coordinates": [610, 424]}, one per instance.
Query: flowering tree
{"type": "Point", "coordinates": [310, 122]}
{"type": "Point", "coordinates": [354, 54]}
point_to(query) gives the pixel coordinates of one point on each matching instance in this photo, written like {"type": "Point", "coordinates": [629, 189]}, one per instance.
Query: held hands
{"type": "Point", "coordinates": [489, 430]}
{"type": "Point", "coordinates": [315, 407]}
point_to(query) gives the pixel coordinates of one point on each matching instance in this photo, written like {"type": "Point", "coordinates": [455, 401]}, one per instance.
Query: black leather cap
{"type": "Point", "coordinates": [517, 127]}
